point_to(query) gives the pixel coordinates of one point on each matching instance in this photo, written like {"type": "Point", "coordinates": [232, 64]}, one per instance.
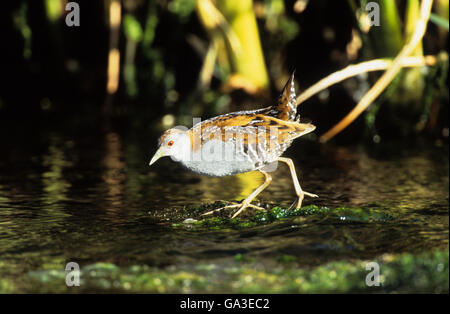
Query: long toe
{"type": "Point", "coordinates": [310, 194]}
{"type": "Point", "coordinates": [256, 207]}
{"type": "Point", "coordinates": [219, 209]}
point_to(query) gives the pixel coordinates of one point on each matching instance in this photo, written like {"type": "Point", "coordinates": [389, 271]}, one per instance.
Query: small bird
{"type": "Point", "coordinates": [240, 142]}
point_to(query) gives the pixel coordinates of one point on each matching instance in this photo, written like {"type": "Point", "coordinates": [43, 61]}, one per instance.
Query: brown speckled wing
{"type": "Point", "coordinates": [251, 127]}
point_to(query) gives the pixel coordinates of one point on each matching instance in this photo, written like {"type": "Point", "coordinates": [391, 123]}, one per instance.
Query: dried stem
{"type": "Point", "coordinates": [363, 67]}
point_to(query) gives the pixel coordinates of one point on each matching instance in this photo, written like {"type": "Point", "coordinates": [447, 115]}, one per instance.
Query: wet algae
{"type": "Point", "coordinates": [427, 272]}
{"type": "Point", "coordinates": [246, 273]}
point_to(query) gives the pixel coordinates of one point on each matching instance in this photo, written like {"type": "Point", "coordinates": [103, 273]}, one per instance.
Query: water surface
{"type": "Point", "coordinates": [87, 195]}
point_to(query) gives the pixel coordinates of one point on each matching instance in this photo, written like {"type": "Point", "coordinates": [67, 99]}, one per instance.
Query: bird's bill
{"type": "Point", "coordinates": [159, 153]}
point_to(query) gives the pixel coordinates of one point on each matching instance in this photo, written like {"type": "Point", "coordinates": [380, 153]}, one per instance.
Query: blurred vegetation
{"type": "Point", "coordinates": [401, 273]}
{"type": "Point", "coordinates": [184, 58]}
{"type": "Point", "coordinates": [409, 98]}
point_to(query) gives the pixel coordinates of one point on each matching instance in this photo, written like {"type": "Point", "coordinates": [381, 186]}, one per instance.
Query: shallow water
{"type": "Point", "coordinates": [88, 196]}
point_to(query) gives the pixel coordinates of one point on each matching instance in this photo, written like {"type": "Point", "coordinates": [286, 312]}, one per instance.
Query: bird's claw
{"type": "Point", "coordinates": [241, 207]}
{"type": "Point", "coordinates": [300, 199]}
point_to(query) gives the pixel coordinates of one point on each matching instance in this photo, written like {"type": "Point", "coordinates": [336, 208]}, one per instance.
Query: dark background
{"type": "Point", "coordinates": [64, 78]}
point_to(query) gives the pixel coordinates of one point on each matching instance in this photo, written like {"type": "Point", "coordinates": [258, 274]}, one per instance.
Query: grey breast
{"type": "Point", "coordinates": [235, 149]}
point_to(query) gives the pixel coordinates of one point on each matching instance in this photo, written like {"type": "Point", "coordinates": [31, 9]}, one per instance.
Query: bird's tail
{"type": "Point", "coordinates": [286, 108]}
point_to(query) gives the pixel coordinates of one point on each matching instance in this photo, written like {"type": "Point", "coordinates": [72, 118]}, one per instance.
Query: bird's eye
{"type": "Point", "coordinates": [170, 143]}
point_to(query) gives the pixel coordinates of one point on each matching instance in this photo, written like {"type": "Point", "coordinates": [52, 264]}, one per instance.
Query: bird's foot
{"type": "Point", "coordinates": [300, 199]}
{"type": "Point", "coordinates": [241, 207]}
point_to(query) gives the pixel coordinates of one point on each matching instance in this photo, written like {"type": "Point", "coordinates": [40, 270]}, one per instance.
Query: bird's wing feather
{"type": "Point", "coordinates": [250, 127]}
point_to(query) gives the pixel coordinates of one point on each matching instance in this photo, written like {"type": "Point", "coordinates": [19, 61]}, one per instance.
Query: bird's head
{"type": "Point", "coordinates": [175, 143]}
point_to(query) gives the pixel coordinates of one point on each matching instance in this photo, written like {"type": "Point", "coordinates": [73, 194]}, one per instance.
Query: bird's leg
{"type": "Point", "coordinates": [298, 189]}
{"type": "Point", "coordinates": [247, 202]}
